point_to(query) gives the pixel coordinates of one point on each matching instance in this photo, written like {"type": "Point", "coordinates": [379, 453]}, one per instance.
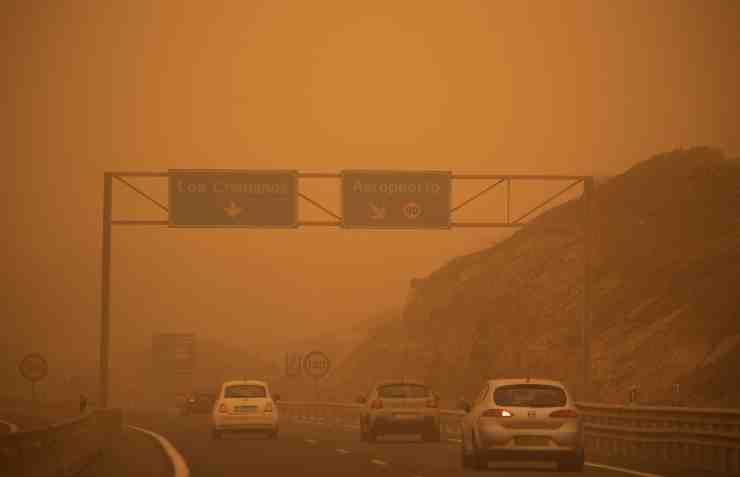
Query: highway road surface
{"type": "Point", "coordinates": [318, 449]}
{"type": "Point", "coordinates": [7, 426]}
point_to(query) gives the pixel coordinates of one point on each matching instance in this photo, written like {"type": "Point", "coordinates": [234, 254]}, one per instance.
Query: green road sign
{"type": "Point", "coordinates": [396, 199]}
{"type": "Point", "coordinates": [205, 198]}
{"type": "Point", "coordinates": [173, 353]}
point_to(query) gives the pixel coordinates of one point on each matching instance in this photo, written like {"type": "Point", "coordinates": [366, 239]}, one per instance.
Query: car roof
{"type": "Point", "coordinates": [399, 381]}
{"type": "Point", "coordinates": [242, 382]}
{"type": "Point", "coordinates": [510, 381]}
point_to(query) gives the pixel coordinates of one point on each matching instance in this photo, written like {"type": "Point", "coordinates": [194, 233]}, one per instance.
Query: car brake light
{"type": "Point", "coordinates": [432, 403]}
{"type": "Point", "coordinates": [497, 413]}
{"type": "Point", "coordinates": [376, 404]}
{"type": "Point", "coordinates": [223, 408]}
{"type": "Point", "coordinates": [564, 413]}
{"type": "Point", "coordinates": [268, 407]}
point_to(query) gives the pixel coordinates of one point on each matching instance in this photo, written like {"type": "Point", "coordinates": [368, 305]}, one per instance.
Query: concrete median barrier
{"type": "Point", "coordinates": [61, 449]}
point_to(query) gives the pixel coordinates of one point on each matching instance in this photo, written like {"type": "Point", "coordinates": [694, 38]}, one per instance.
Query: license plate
{"type": "Point", "coordinates": [246, 408]}
{"type": "Point", "coordinates": [405, 416]}
{"type": "Point", "coordinates": [531, 440]}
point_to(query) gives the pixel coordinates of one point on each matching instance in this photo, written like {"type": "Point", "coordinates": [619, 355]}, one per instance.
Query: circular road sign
{"type": "Point", "coordinates": [316, 364]}
{"type": "Point", "coordinates": [33, 367]}
{"type": "Point", "coordinates": [412, 210]}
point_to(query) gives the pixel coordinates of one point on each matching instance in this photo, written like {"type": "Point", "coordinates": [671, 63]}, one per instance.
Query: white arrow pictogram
{"type": "Point", "coordinates": [233, 210]}
{"type": "Point", "coordinates": [377, 213]}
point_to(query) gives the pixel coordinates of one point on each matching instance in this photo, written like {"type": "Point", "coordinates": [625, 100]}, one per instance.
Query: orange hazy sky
{"type": "Point", "coordinates": [580, 87]}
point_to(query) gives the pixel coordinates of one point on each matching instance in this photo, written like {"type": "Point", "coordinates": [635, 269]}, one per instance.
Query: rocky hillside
{"type": "Point", "coordinates": [666, 296]}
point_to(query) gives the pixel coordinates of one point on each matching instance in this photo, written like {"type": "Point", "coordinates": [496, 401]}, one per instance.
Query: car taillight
{"type": "Point", "coordinates": [268, 407]}
{"type": "Point", "coordinates": [432, 403]}
{"type": "Point", "coordinates": [497, 413]}
{"type": "Point", "coordinates": [564, 413]}
{"type": "Point", "coordinates": [376, 404]}
{"type": "Point", "coordinates": [223, 408]}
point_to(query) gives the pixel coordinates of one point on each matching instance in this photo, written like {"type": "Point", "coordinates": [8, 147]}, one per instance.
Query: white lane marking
{"type": "Point", "coordinates": [310, 441]}
{"type": "Point", "coordinates": [379, 462]}
{"type": "Point", "coordinates": [13, 428]}
{"type": "Point", "coordinates": [343, 451]}
{"type": "Point", "coordinates": [620, 469]}
{"type": "Point", "coordinates": [178, 462]}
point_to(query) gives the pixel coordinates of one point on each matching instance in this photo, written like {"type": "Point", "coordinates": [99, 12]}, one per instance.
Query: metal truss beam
{"type": "Point", "coordinates": [108, 222]}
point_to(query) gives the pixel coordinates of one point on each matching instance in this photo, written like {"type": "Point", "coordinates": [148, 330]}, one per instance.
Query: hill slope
{"type": "Point", "coordinates": [666, 307]}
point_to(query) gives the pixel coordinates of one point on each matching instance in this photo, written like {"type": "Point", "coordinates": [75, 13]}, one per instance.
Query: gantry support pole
{"type": "Point", "coordinates": [105, 290]}
{"type": "Point", "coordinates": [588, 188]}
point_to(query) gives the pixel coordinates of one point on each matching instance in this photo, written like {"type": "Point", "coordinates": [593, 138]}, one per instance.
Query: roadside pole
{"type": "Point", "coordinates": [105, 290]}
{"type": "Point", "coordinates": [588, 187]}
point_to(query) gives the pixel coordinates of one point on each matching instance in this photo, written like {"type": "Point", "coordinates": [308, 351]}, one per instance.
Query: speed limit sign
{"type": "Point", "coordinates": [411, 210]}
{"type": "Point", "coordinates": [33, 367]}
{"type": "Point", "coordinates": [316, 364]}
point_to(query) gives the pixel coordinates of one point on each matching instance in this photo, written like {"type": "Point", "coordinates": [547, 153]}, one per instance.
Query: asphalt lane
{"type": "Point", "coordinates": [7, 427]}
{"type": "Point", "coordinates": [133, 454]}
{"type": "Point", "coordinates": [316, 449]}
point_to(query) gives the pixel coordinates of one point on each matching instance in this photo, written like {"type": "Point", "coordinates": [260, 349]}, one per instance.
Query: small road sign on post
{"type": "Point", "coordinates": [293, 364]}
{"type": "Point", "coordinates": [396, 199]}
{"type": "Point", "coordinates": [34, 368]}
{"type": "Point", "coordinates": [316, 365]}
{"type": "Point", "coordinates": [205, 198]}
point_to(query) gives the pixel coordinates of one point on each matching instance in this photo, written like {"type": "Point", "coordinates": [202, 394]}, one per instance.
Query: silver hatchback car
{"type": "Point", "coordinates": [522, 419]}
{"type": "Point", "coordinates": [400, 407]}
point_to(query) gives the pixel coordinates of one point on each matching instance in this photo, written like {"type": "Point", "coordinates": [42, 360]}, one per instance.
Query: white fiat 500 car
{"type": "Point", "coordinates": [522, 419]}
{"type": "Point", "coordinates": [243, 406]}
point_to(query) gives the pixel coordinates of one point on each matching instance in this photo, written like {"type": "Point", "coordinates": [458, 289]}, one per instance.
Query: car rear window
{"type": "Point", "coordinates": [403, 391]}
{"type": "Point", "coordinates": [530, 395]}
{"type": "Point", "coordinates": [245, 391]}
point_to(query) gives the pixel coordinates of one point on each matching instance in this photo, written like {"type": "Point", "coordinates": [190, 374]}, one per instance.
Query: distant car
{"type": "Point", "coordinates": [244, 406]}
{"type": "Point", "coordinates": [522, 419]}
{"type": "Point", "coordinates": [198, 403]}
{"type": "Point", "coordinates": [400, 407]}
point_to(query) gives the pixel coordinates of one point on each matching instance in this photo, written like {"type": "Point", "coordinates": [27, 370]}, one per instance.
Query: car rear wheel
{"type": "Point", "coordinates": [432, 435]}
{"type": "Point", "coordinates": [572, 463]}
{"type": "Point", "coordinates": [465, 459]}
{"type": "Point", "coordinates": [478, 459]}
{"type": "Point", "coordinates": [363, 434]}
{"type": "Point", "coordinates": [370, 435]}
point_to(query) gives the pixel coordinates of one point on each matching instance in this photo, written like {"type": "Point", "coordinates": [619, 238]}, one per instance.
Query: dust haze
{"type": "Point", "coordinates": [587, 88]}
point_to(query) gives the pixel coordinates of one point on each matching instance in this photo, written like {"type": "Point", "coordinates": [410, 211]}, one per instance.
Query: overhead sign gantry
{"type": "Point", "coordinates": [370, 199]}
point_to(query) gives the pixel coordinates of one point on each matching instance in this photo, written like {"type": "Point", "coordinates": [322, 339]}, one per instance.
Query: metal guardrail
{"type": "Point", "coordinates": [698, 438]}
{"type": "Point", "coordinates": [62, 449]}
{"type": "Point", "coordinates": [683, 438]}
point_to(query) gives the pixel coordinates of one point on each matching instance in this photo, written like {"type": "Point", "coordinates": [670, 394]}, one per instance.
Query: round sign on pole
{"type": "Point", "coordinates": [34, 367]}
{"type": "Point", "coordinates": [411, 210]}
{"type": "Point", "coordinates": [316, 364]}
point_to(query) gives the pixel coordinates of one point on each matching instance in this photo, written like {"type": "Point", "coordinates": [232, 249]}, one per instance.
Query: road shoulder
{"type": "Point", "coordinates": [133, 454]}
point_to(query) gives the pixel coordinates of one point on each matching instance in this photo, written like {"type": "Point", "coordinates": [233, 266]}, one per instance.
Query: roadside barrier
{"type": "Point", "coordinates": [62, 449]}
{"type": "Point", "coordinates": [683, 438]}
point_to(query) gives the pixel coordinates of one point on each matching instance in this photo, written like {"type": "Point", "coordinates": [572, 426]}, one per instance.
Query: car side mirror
{"type": "Point", "coordinates": [360, 400]}
{"type": "Point", "coordinates": [276, 397]}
